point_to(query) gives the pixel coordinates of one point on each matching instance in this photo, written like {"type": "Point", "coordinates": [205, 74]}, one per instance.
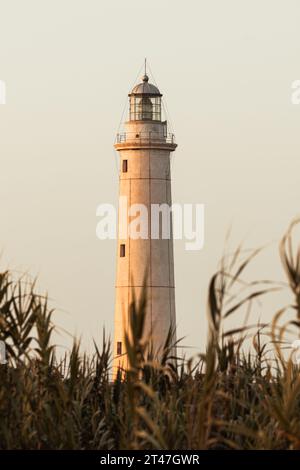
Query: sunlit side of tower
{"type": "Point", "coordinates": [144, 149]}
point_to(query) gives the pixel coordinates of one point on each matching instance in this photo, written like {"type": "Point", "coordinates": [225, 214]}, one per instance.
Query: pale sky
{"type": "Point", "coordinates": [225, 69]}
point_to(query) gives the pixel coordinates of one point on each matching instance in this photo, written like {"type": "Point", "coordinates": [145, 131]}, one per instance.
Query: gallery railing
{"type": "Point", "coordinates": [145, 137]}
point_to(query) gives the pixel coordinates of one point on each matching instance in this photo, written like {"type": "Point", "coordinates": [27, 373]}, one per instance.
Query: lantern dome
{"type": "Point", "coordinates": [145, 88]}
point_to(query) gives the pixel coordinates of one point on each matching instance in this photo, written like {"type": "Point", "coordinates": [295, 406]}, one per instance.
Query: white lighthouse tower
{"type": "Point", "coordinates": [146, 262]}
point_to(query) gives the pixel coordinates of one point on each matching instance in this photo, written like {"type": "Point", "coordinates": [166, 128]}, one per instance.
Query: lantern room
{"type": "Point", "coordinates": [145, 102]}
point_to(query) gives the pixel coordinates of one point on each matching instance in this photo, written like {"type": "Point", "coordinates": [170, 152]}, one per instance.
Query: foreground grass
{"type": "Point", "coordinates": [235, 396]}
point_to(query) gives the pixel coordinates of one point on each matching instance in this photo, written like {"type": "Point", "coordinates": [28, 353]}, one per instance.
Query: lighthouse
{"type": "Point", "coordinates": [145, 264]}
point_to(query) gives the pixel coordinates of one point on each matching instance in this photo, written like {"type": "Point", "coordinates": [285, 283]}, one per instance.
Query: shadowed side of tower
{"type": "Point", "coordinates": [145, 263]}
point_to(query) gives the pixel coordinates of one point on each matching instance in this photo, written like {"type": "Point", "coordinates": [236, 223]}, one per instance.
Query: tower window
{"type": "Point", "coordinates": [119, 347]}
{"type": "Point", "coordinates": [122, 250]}
{"type": "Point", "coordinates": [125, 166]}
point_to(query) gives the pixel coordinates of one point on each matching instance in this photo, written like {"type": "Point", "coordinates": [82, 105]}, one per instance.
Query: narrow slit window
{"type": "Point", "coordinates": [119, 347]}
{"type": "Point", "coordinates": [125, 166]}
{"type": "Point", "coordinates": [122, 250]}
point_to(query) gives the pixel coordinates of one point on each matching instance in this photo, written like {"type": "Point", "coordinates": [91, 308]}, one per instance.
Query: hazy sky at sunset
{"type": "Point", "coordinates": [225, 69]}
